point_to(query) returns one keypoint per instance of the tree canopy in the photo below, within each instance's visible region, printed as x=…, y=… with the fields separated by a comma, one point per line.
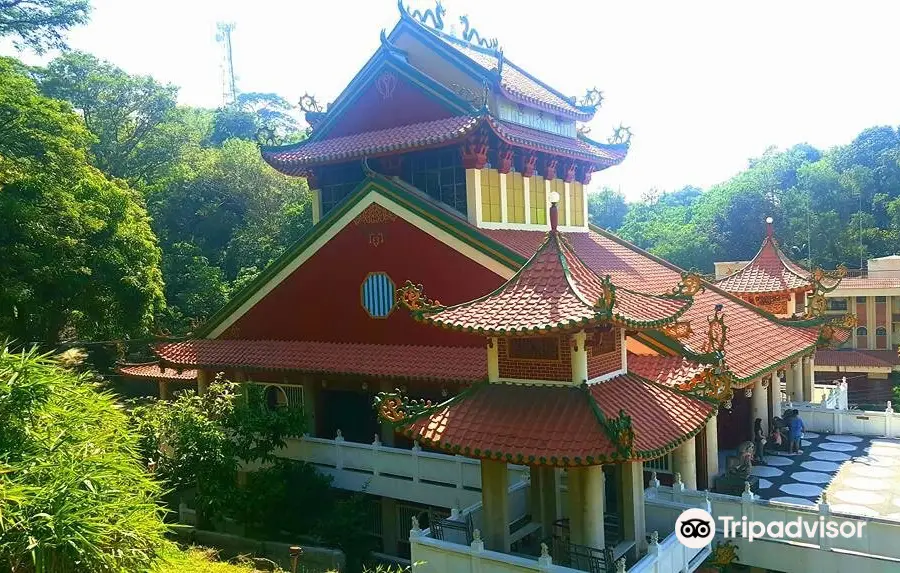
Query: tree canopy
x=819, y=201
x=77, y=254
x=41, y=24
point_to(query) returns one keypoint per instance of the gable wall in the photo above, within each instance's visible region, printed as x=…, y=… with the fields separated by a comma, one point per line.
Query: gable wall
x=321, y=300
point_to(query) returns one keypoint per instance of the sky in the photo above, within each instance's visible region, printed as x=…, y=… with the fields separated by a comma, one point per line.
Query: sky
x=704, y=86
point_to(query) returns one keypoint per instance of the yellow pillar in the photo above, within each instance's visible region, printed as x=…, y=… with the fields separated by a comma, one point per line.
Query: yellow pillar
x=495, y=503
x=543, y=497
x=759, y=405
x=203, y=380
x=579, y=358
x=633, y=515
x=493, y=360
x=797, y=368
x=586, y=505
x=684, y=458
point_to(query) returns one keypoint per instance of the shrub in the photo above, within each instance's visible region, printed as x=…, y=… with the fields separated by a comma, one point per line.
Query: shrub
x=74, y=496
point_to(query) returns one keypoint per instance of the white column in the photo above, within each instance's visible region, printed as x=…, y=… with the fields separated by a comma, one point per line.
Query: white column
x=316, y=205
x=579, y=358
x=495, y=502
x=633, y=515
x=493, y=360
x=712, y=450
x=806, y=380
x=759, y=405
x=473, y=195
x=592, y=506
x=812, y=376
x=775, y=394
x=684, y=458
x=504, y=216
x=797, y=377
x=543, y=497
x=792, y=304
x=567, y=190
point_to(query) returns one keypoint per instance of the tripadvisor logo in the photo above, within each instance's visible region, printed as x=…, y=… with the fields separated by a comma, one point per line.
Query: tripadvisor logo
x=695, y=528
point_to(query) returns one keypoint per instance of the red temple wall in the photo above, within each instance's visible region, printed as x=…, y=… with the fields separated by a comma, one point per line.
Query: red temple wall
x=535, y=369
x=880, y=313
x=861, y=314
x=601, y=364
x=372, y=110
x=321, y=300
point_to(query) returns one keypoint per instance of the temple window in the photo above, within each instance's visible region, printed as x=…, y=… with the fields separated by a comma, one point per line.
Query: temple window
x=538, y=199
x=860, y=300
x=438, y=173
x=881, y=331
x=837, y=304
x=275, y=397
x=490, y=196
x=377, y=294
x=862, y=331
x=515, y=198
x=880, y=299
x=534, y=348
x=577, y=198
x=337, y=182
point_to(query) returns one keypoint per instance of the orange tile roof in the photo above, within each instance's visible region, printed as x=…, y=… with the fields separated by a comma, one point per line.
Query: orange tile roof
x=756, y=344
x=461, y=364
x=868, y=282
x=556, y=290
x=672, y=371
x=562, y=425
x=769, y=271
x=153, y=371
x=862, y=358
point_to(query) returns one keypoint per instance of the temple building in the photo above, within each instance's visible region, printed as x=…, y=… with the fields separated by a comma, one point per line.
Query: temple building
x=558, y=371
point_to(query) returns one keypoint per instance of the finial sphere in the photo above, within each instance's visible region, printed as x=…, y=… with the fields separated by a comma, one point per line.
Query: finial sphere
x=770, y=220
x=554, y=197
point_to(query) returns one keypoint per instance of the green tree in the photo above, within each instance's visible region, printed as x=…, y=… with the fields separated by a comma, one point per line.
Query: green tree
x=607, y=208
x=133, y=118
x=256, y=116
x=77, y=254
x=74, y=495
x=41, y=24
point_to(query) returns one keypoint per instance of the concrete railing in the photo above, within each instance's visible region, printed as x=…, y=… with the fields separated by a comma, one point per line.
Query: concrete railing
x=858, y=422
x=670, y=556
x=435, y=556
x=875, y=550
x=405, y=474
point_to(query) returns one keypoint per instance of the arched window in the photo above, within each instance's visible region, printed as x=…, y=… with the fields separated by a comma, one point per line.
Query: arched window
x=862, y=331
x=378, y=295
x=275, y=397
x=880, y=331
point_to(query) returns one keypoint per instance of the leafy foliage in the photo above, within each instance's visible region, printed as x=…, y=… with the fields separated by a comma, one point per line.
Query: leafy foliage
x=819, y=202
x=77, y=254
x=73, y=495
x=198, y=443
x=41, y=24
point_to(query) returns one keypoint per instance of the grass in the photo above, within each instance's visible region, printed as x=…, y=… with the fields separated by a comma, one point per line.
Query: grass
x=198, y=560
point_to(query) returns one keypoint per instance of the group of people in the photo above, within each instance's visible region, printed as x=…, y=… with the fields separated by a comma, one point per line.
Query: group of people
x=787, y=433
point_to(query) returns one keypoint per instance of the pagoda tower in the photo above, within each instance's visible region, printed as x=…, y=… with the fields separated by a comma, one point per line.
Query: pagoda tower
x=559, y=393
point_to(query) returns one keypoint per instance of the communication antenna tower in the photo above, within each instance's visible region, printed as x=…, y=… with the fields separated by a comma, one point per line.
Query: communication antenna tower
x=223, y=36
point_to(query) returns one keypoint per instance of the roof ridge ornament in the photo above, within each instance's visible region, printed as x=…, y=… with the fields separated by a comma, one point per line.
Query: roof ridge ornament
x=436, y=15
x=691, y=283
x=309, y=104
x=413, y=298
x=621, y=136
x=592, y=98
x=607, y=299
x=395, y=407
x=471, y=35
x=716, y=336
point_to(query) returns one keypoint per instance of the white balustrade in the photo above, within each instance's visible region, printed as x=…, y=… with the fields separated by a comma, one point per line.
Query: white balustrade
x=405, y=474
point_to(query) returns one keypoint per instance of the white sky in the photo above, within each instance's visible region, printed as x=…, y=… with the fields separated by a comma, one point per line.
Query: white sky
x=703, y=85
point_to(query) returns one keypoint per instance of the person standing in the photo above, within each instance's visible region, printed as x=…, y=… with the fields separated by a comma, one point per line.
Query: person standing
x=797, y=427
x=759, y=440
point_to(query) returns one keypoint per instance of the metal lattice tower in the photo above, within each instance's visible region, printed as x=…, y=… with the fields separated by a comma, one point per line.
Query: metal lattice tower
x=230, y=84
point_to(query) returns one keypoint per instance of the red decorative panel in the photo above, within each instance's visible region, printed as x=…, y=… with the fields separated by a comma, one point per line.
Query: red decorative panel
x=606, y=362
x=321, y=299
x=536, y=369
x=380, y=108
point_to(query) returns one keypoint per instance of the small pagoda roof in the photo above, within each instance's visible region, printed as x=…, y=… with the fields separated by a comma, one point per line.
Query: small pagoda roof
x=294, y=159
x=154, y=371
x=555, y=290
x=770, y=271
x=624, y=418
x=672, y=371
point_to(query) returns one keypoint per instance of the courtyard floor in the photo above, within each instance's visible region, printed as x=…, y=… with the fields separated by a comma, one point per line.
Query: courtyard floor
x=859, y=475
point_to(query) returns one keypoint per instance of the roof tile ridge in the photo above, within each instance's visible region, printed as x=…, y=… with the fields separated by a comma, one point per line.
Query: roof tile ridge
x=563, y=249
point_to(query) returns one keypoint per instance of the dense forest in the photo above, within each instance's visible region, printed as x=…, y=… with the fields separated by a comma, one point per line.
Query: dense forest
x=820, y=201
x=124, y=215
